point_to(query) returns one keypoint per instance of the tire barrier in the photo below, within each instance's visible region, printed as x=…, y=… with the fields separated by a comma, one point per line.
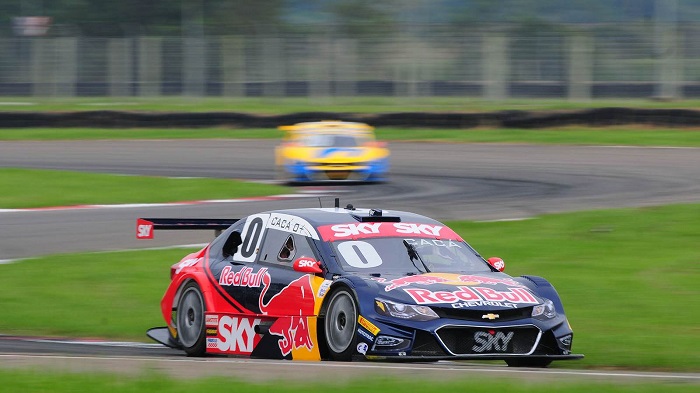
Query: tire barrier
x=598, y=117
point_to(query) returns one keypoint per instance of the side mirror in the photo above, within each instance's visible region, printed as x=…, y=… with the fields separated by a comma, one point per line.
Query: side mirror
x=307, y=265
x=497, y=263
x=231, y=246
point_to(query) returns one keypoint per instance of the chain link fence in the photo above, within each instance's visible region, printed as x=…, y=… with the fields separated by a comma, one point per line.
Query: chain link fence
x=495, y=62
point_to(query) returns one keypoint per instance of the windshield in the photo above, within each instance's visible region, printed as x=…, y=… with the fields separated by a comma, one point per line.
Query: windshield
x=399, y=255
x=333, y=140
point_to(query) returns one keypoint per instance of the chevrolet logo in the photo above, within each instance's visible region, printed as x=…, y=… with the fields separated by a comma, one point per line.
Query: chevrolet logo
x=490, y=316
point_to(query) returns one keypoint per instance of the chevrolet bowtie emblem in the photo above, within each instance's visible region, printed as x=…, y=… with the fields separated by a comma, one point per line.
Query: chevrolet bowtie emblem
x=490, y=316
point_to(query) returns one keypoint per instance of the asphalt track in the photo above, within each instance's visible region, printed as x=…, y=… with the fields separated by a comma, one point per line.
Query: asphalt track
x=445, y=181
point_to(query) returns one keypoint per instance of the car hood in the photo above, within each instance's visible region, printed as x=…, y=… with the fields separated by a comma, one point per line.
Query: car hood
x=474, y=291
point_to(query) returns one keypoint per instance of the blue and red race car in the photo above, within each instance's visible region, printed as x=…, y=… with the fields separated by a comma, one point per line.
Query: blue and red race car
x=345, y=283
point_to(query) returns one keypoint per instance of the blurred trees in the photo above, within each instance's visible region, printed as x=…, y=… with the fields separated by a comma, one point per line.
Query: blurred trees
x=343, y=17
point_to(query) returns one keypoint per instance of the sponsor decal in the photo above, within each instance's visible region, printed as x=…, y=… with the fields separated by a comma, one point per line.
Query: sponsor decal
x=237, y=334
x=364, y=334
x=428, y=279
x=144, y=229
x=470, y=279
x=491, y=341
x=292, y=224
x=211, y=320
x=367, y=325
x=307, y=265
x=472, y=297
x=323, y=289
x=297, y=300
x=211, y=332
x=242, y=278
x=212, y=342
x=362, y=348
x=385, y=229
x=186, y=263
x=423, y=279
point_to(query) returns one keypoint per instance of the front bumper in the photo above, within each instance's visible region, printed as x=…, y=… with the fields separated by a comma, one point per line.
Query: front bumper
x=455, y=339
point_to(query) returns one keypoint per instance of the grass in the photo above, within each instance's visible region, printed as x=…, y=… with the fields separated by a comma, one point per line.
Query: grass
x=629, y=136
x=64, y=188
x=42, y=381
x=628, y=279
x=280, y=105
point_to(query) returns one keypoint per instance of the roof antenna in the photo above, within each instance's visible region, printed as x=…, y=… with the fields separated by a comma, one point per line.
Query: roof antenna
x=337, y=203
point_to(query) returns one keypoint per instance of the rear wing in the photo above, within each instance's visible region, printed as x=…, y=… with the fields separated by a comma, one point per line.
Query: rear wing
x=146, y=226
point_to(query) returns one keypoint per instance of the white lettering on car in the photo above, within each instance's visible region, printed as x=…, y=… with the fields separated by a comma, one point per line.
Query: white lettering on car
x=237, y=334
x=345, y=230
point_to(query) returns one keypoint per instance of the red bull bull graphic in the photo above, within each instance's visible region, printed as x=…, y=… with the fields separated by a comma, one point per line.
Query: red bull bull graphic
x=423, y=279
x=445, y=278
x=294, y=304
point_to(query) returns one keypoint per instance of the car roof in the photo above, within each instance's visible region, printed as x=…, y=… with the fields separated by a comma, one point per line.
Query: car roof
x=329, y=216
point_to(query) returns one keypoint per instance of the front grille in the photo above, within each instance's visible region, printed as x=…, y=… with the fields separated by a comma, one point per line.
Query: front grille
x=486, y=340
x=505, y=315
x=425, y=344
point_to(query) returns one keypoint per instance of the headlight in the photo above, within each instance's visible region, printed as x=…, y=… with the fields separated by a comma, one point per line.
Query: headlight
x=404, y=311
x=545, y=310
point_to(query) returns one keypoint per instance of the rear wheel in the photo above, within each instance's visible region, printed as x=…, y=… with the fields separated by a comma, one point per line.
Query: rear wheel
x=340, y=325
x=535, y=363
x=190, y=320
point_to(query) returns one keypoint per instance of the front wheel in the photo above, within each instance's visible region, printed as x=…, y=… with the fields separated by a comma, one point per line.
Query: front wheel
x=190, y=320
x=340, y=325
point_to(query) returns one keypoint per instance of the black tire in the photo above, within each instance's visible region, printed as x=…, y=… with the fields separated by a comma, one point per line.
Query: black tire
x=340, y=325
x=524, y=362
x=190, y=320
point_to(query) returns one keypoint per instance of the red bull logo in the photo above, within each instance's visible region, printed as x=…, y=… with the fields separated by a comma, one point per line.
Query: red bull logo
x=242, y=278
x=293, y=305
x=471, y=297
x=429, y=279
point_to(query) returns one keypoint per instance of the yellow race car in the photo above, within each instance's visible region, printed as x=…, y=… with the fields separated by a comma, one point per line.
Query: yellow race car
x=331, y=151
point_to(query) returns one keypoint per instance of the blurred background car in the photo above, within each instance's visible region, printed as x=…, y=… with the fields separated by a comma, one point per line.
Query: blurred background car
x=331, y=151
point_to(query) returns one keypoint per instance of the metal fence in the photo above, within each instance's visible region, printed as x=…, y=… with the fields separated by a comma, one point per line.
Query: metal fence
x=495, y=63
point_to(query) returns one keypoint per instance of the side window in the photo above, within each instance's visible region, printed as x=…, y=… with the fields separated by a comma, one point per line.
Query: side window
x=286, y=254
x=283, y=247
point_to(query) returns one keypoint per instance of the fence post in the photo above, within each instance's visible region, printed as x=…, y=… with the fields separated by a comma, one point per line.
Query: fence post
x=41, y=73
x=194, y=66
x=580, y=67
x=495, y=66
x=346, y=65
x=319, y=67
x=150, y=78
x=233, y=68
x=120, y=73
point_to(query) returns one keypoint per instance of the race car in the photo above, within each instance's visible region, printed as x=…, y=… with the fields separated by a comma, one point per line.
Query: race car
x=349, y=284
x=331, y=151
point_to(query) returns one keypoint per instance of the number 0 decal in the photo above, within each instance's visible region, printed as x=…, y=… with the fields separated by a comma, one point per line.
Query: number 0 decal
x=252, y=235
x=361, y=255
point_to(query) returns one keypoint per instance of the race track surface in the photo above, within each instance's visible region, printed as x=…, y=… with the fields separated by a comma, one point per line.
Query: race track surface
x=444, y=181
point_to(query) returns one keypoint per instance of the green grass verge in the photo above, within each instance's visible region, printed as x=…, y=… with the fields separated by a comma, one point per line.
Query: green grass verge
x=281, y=105
x=629, y=136
x=63, y=188
x=628, y=279
x=40, y=381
